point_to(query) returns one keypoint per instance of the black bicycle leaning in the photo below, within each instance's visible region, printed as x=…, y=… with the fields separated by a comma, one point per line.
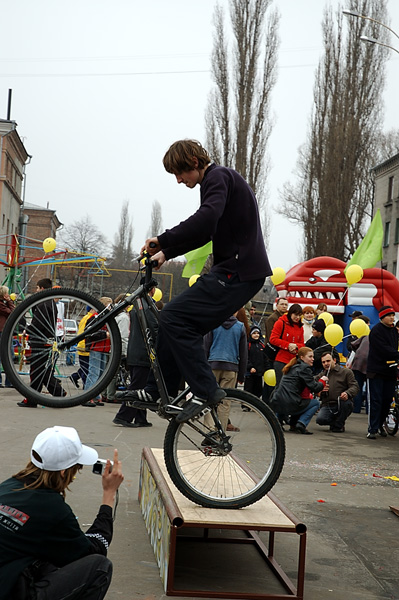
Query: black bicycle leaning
x=210, y=466
x=391, y=423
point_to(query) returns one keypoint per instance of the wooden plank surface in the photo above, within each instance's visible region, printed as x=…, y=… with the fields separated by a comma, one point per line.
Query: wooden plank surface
x=262, y=514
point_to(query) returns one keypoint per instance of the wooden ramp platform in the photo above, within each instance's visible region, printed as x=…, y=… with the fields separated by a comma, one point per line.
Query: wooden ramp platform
x=176, y=526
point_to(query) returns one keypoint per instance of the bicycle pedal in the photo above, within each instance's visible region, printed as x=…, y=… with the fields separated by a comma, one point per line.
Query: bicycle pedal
x=172, y=409
x=142, y=405
x=203, y=412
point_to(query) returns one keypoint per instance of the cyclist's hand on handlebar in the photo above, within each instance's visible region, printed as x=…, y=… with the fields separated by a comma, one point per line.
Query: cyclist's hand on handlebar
x=160, y=258
x=151, y=246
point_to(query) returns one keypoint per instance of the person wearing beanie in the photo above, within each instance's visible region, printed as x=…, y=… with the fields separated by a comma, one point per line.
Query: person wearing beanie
x=319, y=345
x=43, y=552
x=256, y=363
x=381, y=370
x=352, y=338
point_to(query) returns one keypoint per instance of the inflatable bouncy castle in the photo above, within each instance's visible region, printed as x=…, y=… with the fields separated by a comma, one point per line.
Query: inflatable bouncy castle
x=322, y=279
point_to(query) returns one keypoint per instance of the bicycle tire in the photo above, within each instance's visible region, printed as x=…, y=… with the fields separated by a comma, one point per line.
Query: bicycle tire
x=56, y=370
x=391, y=424
x=239, y=478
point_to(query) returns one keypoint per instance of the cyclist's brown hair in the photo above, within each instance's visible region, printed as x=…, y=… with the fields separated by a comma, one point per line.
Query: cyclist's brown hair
x=180, y=157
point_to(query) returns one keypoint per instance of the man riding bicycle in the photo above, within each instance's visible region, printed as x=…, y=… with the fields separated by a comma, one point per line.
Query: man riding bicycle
x=228, y=215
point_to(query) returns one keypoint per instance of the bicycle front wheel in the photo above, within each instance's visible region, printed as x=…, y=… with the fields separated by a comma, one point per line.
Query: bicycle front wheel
x=233, y=478
x=36, y=366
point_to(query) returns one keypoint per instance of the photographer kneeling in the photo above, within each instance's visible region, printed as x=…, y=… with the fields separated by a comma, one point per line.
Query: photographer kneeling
x=44, y=555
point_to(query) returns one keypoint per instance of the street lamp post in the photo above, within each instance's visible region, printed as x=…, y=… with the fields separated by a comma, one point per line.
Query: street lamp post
x=370, y=40
x=354, y=13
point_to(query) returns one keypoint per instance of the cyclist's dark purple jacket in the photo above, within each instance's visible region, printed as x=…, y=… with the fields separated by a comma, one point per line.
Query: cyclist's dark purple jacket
x=228, y=216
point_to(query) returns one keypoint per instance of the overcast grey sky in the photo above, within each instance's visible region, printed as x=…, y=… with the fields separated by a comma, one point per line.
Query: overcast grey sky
x=101, y=89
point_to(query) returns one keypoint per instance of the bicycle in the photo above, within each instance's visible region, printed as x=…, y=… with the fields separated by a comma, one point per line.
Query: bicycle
x=391, y=424
x=212, y=467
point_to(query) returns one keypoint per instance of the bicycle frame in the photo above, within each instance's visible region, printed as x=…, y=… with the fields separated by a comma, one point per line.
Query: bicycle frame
x=140, y=301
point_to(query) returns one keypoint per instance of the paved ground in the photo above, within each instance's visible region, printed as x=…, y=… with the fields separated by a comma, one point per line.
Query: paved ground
x=353, y=537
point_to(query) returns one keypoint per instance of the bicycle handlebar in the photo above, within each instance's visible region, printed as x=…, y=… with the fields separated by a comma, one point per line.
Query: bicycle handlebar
x=104, y=316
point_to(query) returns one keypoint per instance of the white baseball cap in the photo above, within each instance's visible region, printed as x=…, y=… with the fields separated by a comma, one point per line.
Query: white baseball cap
x=60, y=448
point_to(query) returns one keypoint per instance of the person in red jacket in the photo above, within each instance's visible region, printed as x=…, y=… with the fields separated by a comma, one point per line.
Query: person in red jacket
x=287, y=335
x=6, y=308
x=99, y=346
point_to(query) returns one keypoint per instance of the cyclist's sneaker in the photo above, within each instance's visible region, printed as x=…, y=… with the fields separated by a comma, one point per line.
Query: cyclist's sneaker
x=382, y=432
x=371, y=436
x=195, y=406
x=138, y=399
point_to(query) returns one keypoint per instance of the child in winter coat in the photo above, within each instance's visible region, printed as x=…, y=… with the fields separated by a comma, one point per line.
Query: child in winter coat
x=256, y=363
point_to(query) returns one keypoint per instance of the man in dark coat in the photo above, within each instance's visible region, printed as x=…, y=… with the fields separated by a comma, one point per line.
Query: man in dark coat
x=336, y=402
x=381, y=370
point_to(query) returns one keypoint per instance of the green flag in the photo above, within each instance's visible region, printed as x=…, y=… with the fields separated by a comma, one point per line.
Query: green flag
x=196, y=260
x=370, y=250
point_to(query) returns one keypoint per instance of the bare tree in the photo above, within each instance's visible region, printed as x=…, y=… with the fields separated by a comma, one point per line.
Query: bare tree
x=84, y=237
x=332, y=198
x=388, y=145
x=122, y=252
x=238, y=123
x=156, y=226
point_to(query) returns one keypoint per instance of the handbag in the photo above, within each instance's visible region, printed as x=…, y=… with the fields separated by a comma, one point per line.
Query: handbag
x=270, y=350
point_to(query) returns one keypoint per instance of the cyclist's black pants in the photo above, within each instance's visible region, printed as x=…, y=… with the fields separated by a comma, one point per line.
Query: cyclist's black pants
x=186, y=319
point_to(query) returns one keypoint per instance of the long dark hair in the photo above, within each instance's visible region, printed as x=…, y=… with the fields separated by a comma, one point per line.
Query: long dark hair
x=294, y=309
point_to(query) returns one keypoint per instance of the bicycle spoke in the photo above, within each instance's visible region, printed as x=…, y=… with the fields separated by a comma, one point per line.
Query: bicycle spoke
x=232, y=470
x=31, y=350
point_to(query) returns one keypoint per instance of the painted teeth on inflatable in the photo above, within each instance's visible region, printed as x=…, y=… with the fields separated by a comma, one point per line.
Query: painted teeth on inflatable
x=322, y=279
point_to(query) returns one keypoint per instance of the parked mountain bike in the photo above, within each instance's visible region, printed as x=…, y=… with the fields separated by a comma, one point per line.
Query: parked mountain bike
x=210, y=466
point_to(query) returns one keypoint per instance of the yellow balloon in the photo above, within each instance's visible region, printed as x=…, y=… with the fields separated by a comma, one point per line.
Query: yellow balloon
x=353, y=274
x=49, y=244
x=157, y=295
x=278, y=276
x=269, y=377
x=358, y=328
x=333, y=334
x=192, y=280
x=327, y=318
x=13, y=296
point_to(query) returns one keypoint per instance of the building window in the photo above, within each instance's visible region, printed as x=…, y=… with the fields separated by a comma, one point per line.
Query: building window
x=394, y=267
x=397, y=231
x=386, y=233
x=390, y=189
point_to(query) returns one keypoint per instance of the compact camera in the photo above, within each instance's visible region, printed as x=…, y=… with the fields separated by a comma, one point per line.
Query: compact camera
x=99, y=466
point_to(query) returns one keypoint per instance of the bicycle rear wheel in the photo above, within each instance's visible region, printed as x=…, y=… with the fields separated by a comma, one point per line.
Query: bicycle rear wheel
x=216, y=478
x=32, y=360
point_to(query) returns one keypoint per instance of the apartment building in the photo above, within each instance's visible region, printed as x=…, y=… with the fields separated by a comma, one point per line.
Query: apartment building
x=13, y=158
x=386, y=198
